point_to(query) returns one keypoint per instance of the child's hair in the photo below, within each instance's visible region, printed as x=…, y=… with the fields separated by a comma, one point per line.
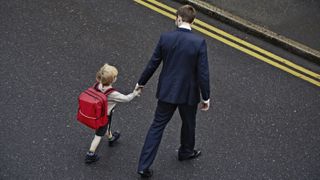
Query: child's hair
x=106, y=74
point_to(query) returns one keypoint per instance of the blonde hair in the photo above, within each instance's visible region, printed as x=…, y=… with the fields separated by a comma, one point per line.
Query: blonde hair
x=107, y=74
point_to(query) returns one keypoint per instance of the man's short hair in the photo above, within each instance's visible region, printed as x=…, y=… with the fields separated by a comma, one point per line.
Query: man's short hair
x=187, y=13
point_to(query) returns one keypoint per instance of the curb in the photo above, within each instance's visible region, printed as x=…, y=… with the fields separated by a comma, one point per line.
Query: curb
x=244, y=25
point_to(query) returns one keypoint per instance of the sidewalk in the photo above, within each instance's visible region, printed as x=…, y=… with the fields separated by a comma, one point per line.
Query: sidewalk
x=292, y=24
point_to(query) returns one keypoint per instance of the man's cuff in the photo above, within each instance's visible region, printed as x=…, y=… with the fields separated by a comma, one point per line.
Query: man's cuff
x=205, y=101
x=138, y=86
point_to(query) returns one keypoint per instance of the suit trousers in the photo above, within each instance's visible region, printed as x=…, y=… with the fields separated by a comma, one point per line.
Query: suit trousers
x=163, y=114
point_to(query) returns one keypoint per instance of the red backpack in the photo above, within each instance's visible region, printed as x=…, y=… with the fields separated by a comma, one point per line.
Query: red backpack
x=93, y=107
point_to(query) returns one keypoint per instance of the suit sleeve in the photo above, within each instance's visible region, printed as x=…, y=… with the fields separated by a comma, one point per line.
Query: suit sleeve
x=203, y=72
x=152, y=66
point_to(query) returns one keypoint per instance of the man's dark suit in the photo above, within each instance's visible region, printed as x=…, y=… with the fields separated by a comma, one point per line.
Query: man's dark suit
x=183, y=76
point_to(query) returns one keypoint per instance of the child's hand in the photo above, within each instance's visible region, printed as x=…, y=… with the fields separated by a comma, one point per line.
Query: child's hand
x=137, y=90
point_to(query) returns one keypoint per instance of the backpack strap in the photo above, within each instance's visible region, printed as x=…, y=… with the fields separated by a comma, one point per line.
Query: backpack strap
x=110, y=90
x=95, y=85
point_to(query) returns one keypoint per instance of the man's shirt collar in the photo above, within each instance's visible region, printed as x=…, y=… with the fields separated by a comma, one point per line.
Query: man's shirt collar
x=185, y=26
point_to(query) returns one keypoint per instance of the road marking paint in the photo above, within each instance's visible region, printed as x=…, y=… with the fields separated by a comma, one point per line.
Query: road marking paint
x=254, y=54
x=236, y=46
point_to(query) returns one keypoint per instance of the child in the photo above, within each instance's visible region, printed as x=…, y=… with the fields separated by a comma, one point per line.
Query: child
x=105, y=77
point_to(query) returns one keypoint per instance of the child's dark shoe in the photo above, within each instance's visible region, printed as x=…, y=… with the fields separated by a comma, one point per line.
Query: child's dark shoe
x=114, y=138
x=91, y=157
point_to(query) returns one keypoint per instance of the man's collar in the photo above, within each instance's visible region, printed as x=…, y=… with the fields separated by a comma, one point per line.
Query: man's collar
x=185, y=26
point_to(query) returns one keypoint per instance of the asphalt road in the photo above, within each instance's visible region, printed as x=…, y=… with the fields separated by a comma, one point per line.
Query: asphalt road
x=263, y=124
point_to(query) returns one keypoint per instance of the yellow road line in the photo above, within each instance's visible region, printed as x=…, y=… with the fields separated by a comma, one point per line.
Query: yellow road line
x=240, y=41
x=234, y=45
x=156, y=9
x=258, y=56
x=163, y=6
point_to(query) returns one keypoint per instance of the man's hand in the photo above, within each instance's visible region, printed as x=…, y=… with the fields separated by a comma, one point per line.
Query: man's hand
x=204, y=106
x=138, y=90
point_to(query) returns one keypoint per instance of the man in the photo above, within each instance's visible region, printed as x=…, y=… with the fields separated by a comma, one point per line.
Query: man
x=184, y=75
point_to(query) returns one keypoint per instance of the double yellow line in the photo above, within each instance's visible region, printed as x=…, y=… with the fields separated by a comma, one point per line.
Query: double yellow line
x=237, y=43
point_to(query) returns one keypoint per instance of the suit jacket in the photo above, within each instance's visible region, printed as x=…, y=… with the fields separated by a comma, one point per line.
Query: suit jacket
x=185, y=71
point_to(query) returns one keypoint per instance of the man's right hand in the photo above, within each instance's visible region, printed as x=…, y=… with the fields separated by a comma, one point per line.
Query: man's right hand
x=204, y=106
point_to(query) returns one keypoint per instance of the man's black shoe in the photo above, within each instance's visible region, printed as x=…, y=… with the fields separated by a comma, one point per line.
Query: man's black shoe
x=146, y=173
x=91, y=158
x=115, y=137
x=196, y=153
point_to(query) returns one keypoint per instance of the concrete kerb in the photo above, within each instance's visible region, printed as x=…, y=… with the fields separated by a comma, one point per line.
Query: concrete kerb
x=242, y=24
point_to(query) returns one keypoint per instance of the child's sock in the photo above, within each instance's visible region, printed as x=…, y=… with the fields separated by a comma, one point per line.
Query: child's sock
x=109, y=135
x=89, y=153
